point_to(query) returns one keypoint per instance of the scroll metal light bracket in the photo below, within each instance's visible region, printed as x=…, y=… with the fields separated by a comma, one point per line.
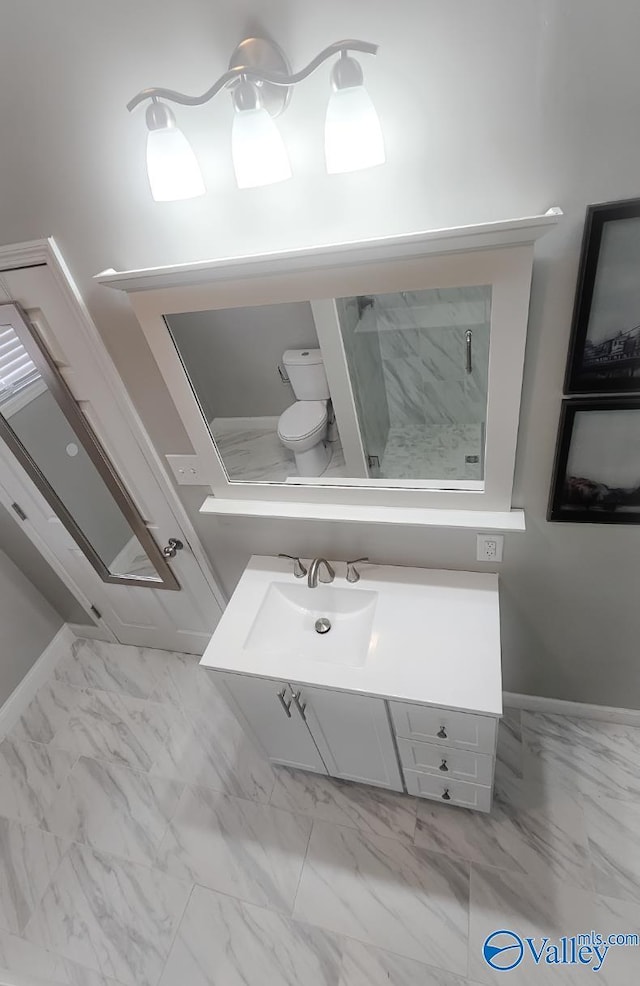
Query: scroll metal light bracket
x=264, y=64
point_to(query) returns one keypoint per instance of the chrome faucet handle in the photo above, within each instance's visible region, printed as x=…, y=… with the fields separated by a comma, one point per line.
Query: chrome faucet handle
x=329, y=574
x=298, y=568
x=353, y=575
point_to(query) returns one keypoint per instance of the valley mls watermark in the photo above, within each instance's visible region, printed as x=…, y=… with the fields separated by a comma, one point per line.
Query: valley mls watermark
x=505, y=950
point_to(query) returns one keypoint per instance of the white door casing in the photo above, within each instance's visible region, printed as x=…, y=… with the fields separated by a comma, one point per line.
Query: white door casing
x=34, y=275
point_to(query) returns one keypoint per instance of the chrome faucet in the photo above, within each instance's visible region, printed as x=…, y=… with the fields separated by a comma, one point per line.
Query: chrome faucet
x=314, y=569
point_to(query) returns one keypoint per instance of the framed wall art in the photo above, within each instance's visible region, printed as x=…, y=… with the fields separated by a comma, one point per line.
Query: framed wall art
x=597, y=468
x=604, y=354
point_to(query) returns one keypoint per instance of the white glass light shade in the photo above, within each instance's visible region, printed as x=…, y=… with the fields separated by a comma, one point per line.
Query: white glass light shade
x=352, y=134
x=173, y=169
x=259, y=154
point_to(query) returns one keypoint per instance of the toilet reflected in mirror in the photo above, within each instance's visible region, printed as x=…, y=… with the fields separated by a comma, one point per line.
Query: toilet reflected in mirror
x=302, y=428
x=259, y=377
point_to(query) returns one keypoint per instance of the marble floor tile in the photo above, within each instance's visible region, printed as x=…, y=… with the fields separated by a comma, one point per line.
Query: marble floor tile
x=108, y=667
x=114, y=917
x=386, y=894
x=363, y=965
x=30, y=776
x=621, y=966
x=118, y=728
x=590, y=756
x=28, y=859
x=369, y=809
x=252, y=452
x=25, y=959
x=530, y=833
x=114, y=809
x=211, y=748
x=224, y=942
x=138, y=672
x=509, y=751
x=503, y=900
x=613, y=828
x=46, y=713
x=237, y=847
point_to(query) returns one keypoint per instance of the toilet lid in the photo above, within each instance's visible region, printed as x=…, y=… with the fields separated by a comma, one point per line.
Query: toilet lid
x=302, y=419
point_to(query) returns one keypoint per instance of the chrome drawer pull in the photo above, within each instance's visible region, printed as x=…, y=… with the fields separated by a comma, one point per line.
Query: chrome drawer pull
x=442, y=733
x=287, y=708
x=446, y=796
x=443, y=766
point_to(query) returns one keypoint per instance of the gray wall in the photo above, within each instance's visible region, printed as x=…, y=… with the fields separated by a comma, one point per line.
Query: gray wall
x=15, y=543
x=27, y=622
x=232, y=356
x=490, y=110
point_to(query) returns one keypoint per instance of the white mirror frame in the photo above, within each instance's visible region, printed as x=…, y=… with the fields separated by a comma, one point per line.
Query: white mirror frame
x=499, y=254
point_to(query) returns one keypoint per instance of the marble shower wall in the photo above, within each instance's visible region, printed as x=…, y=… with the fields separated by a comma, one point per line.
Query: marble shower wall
x=421, y=338
x=364, y=359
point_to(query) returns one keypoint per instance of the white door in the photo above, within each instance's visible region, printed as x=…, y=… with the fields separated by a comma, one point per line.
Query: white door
x=268, y=711
x=353, y=735
x=145, y=616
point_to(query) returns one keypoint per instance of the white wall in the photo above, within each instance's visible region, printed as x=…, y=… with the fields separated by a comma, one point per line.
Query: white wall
x=491, y=110
x=27, y=624
x=232, y=356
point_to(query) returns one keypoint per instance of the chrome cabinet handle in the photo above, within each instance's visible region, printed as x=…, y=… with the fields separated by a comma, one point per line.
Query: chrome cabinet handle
x=298, y=568
x=300, y=706
x=445, y=795
x=468, y=339
x=174, y=545
x=442, y=733
x=287, y=708
x=443, y=767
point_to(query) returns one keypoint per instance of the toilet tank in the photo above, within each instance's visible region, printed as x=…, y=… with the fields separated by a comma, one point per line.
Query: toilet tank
x=305, y=370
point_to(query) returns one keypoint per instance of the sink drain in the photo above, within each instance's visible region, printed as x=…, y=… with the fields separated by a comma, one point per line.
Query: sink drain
x=323, y=625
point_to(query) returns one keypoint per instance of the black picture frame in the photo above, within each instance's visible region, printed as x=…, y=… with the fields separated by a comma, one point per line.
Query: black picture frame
x=588, y=499
x=606, y=363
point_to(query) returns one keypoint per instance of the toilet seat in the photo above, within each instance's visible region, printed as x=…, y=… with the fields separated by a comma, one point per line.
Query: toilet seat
x=303, y=421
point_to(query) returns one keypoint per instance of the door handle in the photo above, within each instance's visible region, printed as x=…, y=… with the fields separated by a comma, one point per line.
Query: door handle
x=174, y=545
x=300, y=706
x=287, y=708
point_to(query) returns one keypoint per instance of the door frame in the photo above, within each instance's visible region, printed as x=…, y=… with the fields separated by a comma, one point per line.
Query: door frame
x=45, y=252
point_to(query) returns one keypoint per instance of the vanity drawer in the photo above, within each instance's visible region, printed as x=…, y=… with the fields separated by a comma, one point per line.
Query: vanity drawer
x=445, y=762
x=460, y=730
x=459, y=792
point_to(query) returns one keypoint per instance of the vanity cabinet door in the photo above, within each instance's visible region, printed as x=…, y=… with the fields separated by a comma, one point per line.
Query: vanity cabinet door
x=353, y=735
x=265, y=707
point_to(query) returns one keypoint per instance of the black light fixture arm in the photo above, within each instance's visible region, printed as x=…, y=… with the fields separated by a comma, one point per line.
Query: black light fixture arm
x=255, y=75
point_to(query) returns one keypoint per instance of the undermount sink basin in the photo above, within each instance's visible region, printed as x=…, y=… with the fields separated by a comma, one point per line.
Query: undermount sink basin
x=285, y=623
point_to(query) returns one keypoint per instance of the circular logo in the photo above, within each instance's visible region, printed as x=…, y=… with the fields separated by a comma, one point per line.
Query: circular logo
x=503, y=950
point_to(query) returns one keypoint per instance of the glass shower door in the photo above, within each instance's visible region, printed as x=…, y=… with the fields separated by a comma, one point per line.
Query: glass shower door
x=418, y=364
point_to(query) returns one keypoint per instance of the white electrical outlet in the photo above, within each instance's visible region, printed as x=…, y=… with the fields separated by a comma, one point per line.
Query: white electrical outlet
x=490, y=547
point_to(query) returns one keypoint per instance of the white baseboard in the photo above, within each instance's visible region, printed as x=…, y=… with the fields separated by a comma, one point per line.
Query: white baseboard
x=36, y=676
x=90, y=633
x=579, y=710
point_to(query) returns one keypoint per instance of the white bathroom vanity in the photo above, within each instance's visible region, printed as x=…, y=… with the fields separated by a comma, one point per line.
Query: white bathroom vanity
x=404, y=691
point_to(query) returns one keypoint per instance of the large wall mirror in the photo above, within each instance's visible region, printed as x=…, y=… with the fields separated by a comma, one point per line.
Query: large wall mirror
x=383, y=389
x=379, y=374
x=41, y=423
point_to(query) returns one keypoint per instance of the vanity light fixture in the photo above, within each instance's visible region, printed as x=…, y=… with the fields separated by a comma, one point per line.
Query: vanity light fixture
x=261, y=81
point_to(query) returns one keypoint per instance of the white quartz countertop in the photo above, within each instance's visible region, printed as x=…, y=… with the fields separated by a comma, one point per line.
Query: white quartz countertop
x=435, y=637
